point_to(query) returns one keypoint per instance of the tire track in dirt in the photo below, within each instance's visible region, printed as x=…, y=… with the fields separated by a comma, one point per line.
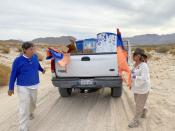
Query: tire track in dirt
x=96, y=111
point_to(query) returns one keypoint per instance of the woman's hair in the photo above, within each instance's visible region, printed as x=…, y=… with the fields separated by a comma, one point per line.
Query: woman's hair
x=141, y=53
x=27, y=45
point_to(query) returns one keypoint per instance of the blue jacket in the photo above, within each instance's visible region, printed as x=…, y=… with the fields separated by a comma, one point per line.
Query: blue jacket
x=25, y=70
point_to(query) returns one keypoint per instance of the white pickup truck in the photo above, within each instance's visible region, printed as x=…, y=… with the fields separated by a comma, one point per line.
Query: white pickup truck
x=88, y=71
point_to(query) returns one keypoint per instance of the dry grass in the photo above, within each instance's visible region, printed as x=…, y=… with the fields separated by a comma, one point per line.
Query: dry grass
x=4, y=75
x=156, y=58
x=6, y=45
x=18, y=48
x=5, y=49
x=157, y=48
x=162, y=49
x=172, y=51
x=149, y=55
x=9, y=43
x=44, y=46
x=148, y=48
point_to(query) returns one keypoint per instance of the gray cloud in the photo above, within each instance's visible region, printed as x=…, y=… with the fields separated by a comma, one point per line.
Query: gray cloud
x=24, y=19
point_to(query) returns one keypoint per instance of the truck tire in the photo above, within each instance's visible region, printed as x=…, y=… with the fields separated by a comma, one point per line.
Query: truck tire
x=116, y=92
x=65, y=92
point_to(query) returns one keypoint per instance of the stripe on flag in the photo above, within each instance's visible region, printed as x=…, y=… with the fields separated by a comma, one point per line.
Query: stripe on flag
x=122, y=59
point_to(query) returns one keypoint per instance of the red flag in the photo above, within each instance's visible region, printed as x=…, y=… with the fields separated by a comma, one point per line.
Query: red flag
x=61, y=58
x=63, y=62
x=122, y=59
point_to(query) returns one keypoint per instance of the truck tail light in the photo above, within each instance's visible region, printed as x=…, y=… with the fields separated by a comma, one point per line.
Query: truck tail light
x=53, y=68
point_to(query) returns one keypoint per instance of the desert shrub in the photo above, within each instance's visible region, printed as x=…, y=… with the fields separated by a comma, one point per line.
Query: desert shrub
x=4, y=75
x=148, y=55
x=162, y=50
x=149, y=49
x=172, y=52
x=156, y=58
x=5, y=50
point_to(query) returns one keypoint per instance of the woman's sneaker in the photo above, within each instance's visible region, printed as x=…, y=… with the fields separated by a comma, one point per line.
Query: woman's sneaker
x=31, y=117
x=144, y=113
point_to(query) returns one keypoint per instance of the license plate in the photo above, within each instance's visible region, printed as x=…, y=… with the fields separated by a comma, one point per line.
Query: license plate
x=86, y=82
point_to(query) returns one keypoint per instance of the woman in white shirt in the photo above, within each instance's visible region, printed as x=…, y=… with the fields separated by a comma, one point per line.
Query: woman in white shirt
x=140, y=85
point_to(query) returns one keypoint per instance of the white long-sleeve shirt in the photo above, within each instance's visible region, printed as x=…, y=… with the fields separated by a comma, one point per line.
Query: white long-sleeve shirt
x=141, y=84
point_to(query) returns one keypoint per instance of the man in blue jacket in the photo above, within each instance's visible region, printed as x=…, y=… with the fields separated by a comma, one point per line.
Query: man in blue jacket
x=25, y=71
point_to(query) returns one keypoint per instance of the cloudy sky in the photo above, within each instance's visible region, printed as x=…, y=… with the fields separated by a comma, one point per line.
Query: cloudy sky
x=29, y=19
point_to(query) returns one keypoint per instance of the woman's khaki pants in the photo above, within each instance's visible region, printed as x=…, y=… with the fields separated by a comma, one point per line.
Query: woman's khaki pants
x=140, y=101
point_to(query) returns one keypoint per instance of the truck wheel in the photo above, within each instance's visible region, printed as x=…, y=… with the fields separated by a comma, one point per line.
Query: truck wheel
x=116, y=92
x=65, y=92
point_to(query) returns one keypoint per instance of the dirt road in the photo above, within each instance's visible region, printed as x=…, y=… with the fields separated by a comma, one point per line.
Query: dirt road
x=96, y=111
x=91, y=112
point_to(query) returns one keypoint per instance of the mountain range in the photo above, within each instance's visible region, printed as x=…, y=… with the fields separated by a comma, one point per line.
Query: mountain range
x=63, y=40
x=146, y=39
x=152, y=39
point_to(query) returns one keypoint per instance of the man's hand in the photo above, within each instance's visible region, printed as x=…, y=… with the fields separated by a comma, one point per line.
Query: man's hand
x=10, y=92
x=44, y=71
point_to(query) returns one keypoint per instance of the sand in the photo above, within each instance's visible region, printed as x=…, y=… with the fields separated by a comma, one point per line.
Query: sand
x=96, y=111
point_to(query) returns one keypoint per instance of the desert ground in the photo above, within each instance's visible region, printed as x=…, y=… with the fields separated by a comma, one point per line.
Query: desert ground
x=96, y=111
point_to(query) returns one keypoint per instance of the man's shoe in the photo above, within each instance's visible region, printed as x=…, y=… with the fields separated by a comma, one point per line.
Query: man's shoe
x=133, y=124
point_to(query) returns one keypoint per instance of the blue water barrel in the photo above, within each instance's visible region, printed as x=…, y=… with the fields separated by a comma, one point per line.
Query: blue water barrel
x=106, y=42
x=79, y=45
x=90, y=44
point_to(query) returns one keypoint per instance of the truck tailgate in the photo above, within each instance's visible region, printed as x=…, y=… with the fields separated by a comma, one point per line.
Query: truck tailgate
x=93, y=65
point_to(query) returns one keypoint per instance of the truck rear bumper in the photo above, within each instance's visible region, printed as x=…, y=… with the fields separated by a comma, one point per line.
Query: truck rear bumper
x=97, y=82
